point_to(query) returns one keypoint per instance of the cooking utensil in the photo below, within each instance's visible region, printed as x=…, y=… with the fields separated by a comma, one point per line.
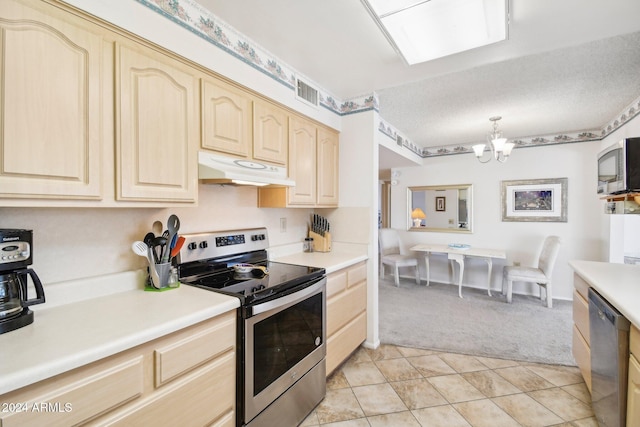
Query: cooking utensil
x=173, y=224
x=158, y=245
x=141, y=248
x=177, y=247
x=148, y=238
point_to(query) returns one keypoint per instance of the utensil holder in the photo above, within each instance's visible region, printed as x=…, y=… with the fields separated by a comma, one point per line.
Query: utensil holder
x=167, y=279
x=321, y=243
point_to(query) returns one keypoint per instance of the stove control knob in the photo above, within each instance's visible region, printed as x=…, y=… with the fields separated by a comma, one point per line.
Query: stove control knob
x=191, y=246
x=204, y=245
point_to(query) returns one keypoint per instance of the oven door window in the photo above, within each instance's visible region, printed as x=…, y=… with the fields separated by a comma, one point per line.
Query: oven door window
x=284, y=339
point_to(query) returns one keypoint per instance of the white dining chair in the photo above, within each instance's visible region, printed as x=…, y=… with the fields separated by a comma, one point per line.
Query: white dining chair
x=540, y=275
x=390, y=254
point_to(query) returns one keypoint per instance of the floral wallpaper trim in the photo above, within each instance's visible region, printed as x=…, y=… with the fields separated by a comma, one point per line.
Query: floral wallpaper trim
x=199, y=21
x=631, y=111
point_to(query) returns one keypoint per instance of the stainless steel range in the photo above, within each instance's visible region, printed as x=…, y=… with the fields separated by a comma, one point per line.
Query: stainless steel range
x=281, y=322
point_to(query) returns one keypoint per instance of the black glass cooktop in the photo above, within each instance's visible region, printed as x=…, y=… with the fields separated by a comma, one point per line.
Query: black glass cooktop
x=256, y=284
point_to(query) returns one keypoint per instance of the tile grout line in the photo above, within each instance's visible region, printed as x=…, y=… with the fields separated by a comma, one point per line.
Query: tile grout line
x=375, y=359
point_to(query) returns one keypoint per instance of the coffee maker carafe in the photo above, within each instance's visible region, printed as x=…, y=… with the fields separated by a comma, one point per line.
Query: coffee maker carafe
x=16, y=249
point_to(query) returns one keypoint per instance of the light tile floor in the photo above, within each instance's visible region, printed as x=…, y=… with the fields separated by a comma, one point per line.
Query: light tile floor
x=399, y=386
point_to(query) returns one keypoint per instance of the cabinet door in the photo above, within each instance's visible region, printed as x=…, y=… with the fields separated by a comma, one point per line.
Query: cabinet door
x=270, y=133
x=156, y=127
x=328, y=166
x=302, y=161
x=51, y=99
x=633, y=393
x=226, y=119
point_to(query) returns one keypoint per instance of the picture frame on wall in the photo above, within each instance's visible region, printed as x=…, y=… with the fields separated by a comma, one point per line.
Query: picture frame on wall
x=535, y=200
x=441, y=204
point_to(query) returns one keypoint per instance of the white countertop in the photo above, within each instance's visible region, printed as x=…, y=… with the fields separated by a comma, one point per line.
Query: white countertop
x=66, y=336
x=617, y=283
x=330, y=261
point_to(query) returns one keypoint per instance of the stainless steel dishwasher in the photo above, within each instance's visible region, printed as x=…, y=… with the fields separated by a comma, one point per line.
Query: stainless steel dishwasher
x=609, y=338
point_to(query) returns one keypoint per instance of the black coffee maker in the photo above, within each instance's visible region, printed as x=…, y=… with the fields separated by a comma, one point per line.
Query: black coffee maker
x=16, y=248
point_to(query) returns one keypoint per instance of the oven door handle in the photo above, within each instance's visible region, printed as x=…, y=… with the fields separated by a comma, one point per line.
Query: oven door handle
x=289, y=299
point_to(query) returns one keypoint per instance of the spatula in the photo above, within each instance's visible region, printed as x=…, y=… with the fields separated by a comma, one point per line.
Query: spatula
x=141, y=248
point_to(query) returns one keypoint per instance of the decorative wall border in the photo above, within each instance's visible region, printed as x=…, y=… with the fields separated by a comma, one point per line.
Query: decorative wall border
x=193, y=17
x=209, y=27
x=630, y=112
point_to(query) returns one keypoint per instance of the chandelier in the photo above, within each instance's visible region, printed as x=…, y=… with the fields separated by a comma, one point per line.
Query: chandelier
x=500, y=148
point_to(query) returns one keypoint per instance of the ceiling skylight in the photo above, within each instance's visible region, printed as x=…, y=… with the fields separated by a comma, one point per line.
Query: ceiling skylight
x=422, y=30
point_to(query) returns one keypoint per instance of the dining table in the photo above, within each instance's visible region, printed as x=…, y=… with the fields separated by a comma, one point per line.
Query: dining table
x=458, y=252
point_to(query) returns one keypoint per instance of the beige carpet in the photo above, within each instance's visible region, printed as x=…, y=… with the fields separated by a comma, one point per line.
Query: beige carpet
x=435, y=318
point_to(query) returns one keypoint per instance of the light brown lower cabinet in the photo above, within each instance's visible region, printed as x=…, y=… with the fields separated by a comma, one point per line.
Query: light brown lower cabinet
x=581, y=334
x=346, y=313
x=186, y=378
x=633, y=389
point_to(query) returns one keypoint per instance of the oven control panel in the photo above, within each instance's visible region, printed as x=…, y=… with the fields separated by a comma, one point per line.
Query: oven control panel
x=237, y=239
x=201, y=246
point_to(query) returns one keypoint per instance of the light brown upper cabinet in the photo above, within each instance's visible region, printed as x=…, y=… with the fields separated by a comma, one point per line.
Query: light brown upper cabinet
x=236, y=123
x=302, y=161
x=51, y=90
x=157, y=126
x=328, y=167
x=313, y=165
x=270, y=132
x=226, y=118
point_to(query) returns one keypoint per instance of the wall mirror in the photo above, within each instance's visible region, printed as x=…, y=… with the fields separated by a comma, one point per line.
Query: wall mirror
x=444, y=208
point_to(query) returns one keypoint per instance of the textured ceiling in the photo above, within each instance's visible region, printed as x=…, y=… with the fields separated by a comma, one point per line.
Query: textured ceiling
x=568, y=65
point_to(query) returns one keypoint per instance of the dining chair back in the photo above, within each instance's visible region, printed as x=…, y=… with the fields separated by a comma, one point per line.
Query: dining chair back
x=390, y=254
x=540, y=275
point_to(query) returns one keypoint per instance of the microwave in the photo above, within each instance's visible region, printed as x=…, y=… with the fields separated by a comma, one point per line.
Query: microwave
x=619, y=167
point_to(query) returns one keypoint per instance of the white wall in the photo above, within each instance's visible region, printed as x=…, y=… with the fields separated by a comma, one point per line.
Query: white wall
x=359, y=200
x=73, y=243
x=581, y=235
x=142, y=21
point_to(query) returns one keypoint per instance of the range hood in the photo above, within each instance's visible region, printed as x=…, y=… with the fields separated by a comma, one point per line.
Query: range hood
x=217, y=169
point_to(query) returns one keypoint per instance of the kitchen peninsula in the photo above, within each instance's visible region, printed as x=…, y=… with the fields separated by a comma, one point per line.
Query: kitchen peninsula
x=618, y=284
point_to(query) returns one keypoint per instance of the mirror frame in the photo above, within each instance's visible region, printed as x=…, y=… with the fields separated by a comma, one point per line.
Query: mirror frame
x=468, y=187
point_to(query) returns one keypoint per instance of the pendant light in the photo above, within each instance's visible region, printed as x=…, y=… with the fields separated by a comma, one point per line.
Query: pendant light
x=500, y=148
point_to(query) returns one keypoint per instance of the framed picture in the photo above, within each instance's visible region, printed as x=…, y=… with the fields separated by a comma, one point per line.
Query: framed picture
x=536, y=200
x=441, y=205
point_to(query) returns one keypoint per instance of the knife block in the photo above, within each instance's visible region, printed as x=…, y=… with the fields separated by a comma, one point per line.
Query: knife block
x=321, y=243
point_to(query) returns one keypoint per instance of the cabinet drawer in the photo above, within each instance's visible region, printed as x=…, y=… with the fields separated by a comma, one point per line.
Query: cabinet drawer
x=84, y=399
x=357, y=274
x=581, y=316
x=581, y=286
x=634, y=341
x=582, y=354
x=211, y=390
x=344, y=307
x=194, y=349
x=336, y=283
x=345, y=341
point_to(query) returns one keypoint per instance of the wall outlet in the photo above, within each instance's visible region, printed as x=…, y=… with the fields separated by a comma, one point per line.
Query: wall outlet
x=516, y=263
x=283, y=225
